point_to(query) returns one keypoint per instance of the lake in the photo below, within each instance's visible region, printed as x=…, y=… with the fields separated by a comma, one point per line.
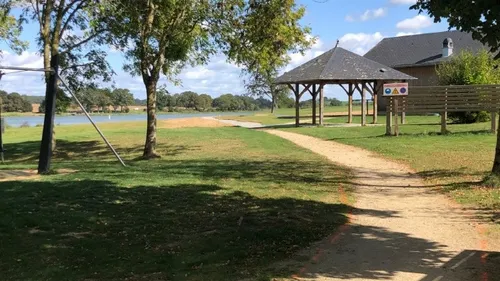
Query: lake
x=17, y=121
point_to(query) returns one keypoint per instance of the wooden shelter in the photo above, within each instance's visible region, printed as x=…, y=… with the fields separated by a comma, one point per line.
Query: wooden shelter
x=340, y=67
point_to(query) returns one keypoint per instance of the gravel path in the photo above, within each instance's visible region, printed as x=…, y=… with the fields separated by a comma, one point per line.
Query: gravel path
x=400, y=229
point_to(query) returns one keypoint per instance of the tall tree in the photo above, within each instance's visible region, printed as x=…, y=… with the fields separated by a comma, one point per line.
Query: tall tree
x=270, y=45
x=160, y=36
x=66, y=27
x=262, y=84
x=481, y=19
x=10, y=30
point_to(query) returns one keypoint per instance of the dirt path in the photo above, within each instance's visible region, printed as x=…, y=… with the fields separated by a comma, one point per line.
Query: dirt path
x=400, y=229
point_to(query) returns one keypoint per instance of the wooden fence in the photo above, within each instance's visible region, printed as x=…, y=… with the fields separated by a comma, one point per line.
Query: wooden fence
x=444, y=99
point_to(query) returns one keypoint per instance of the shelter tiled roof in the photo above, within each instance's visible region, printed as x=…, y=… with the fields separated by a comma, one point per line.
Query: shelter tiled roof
x=339, y=65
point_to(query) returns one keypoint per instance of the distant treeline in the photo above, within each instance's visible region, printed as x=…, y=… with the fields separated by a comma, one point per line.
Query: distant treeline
x=14, y=102
x=202, y=102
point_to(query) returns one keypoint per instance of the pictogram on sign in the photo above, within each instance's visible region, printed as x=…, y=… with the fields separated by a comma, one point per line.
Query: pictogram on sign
x=396, y=89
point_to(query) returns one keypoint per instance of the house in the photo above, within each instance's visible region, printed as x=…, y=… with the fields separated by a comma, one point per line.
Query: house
x=419, y=55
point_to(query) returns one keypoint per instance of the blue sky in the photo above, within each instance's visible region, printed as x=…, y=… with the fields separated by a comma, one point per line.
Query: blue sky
x=358, y=24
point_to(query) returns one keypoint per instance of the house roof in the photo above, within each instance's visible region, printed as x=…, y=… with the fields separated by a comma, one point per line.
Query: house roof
x=421, y=49
x=339, y=65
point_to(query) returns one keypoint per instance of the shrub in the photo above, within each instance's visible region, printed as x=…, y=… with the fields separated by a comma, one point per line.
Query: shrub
x=25, y=124
x=469, y=117
x=468, y=68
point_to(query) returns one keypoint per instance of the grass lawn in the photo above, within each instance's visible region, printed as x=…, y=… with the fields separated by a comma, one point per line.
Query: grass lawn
x=287, y=115
x=457, y=161
x=222, y=204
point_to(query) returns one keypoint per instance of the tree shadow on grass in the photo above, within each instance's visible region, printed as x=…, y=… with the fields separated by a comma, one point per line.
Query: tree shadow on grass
x=95, y=230
x=28, y=152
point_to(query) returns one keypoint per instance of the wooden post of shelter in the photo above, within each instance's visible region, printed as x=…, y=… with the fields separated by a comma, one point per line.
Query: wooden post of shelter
x=363, y=104
x=321, y=103
x=297, y=105
x=314, y=95
x=349, y=110
x=376, y=90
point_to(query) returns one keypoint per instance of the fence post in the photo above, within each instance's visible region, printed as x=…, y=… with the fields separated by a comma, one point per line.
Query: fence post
x=396, y=125
x=444, y=117
x=388, y=117
x=493, y=122
x=444, y=114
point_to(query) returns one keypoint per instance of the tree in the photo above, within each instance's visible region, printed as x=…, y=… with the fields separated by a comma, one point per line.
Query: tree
x=481, y=19
x=203, y=102
x=103, y=99
x=159, y=37
x=187, y=99
x=14, y=102
x=163, y=99
x=10, y=29
x=66, y=27
x=263, y=85
x=468, y=68
x=270, y=46
x=121, y=98
x=62, y=102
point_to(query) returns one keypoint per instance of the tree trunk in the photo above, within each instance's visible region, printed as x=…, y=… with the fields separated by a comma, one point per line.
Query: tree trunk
x=150, y=145
x=273, y=103
x=496, y=162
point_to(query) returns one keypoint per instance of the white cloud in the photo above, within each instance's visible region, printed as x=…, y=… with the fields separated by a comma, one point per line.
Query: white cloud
x=360, y=43
x=297, y=59
x=22, y=82
x=350, y=18
x=404, y=2
x=368, y=15
x=415, y=23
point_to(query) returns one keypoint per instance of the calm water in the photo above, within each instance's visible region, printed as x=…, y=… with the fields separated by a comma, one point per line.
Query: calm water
x=17, y=121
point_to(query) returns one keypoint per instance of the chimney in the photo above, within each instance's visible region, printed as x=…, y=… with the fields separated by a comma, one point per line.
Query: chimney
x=447, y=47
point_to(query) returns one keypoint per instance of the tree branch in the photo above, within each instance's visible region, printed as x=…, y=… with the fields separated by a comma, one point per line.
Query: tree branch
x=71, y=15
x=91, y=37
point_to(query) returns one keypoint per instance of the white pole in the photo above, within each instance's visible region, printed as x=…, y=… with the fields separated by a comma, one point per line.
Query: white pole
x=92, y=121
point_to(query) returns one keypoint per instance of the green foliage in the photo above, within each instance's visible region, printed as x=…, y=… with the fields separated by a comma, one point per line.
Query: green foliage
x=203, y=102
x=121, y=98
x=14, y=102
x=62, y=102
x=67, y=28
x=10, y=30
x=468, y=68
x=334, y=102
x=230, y=102
x=271, y=45
x=481, y=18
x=95, y=99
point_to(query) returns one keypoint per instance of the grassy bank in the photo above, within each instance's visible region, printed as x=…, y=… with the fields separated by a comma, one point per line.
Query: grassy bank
x=457, y=162
x=287, y=115
x=222, y=204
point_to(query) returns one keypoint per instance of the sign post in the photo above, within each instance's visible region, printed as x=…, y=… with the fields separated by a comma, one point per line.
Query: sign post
x=395, y=91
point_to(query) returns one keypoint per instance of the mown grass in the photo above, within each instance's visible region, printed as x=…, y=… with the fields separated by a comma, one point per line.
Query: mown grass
x=222, y=204
x=287, y=115
x=457, y=161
